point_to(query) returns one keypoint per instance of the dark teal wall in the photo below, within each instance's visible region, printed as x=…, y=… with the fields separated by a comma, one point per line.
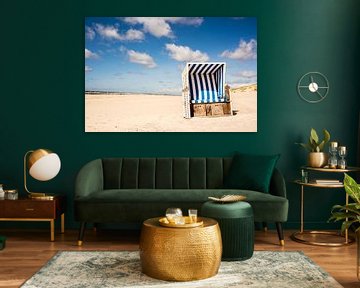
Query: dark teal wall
x=42, y=88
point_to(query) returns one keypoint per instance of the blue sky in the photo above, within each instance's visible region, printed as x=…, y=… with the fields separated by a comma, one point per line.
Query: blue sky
x=148, y=54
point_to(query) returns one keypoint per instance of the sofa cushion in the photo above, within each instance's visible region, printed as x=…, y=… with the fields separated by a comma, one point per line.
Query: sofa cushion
x=251, y=172
x=266, y=207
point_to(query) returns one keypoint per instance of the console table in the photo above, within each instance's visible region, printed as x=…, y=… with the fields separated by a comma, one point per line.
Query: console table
x=297, y=235
x=27, y=209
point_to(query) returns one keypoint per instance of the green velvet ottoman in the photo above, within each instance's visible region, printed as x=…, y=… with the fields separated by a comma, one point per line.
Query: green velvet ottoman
x=236, y=221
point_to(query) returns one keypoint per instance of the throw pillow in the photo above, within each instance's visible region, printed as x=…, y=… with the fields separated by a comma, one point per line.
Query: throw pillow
x=251, y=172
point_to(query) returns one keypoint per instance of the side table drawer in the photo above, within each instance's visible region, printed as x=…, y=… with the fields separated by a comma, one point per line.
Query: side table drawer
x=30, y=209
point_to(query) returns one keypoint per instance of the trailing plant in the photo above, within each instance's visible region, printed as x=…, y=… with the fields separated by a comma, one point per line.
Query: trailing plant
x=349, y=214
x=314, y=144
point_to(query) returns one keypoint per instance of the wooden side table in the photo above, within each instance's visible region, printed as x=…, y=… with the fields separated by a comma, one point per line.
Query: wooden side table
x=26, y=209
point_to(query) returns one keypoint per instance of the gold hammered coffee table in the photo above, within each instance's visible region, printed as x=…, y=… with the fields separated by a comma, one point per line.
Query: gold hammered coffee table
x=180, y=254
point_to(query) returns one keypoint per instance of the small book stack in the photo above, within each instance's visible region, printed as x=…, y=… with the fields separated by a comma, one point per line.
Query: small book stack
x=327, y=181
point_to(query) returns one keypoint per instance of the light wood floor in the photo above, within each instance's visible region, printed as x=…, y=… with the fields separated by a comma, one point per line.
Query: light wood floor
x=28, y=250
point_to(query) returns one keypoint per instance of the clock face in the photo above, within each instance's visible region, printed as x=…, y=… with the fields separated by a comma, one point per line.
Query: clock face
x=313, y=87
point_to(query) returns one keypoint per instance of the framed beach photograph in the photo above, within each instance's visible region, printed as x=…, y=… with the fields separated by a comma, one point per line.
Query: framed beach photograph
x=170, y=74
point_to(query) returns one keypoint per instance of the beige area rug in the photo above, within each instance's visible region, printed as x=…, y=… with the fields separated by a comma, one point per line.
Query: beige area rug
x=80, y=269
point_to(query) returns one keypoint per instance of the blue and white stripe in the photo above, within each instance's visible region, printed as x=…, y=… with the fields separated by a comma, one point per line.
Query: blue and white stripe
x=199, y=101
x=206, y=82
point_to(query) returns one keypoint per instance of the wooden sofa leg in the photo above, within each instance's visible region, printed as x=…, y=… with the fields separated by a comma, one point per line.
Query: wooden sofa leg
x=265, y=227
x=280, y=233
x=81, y=233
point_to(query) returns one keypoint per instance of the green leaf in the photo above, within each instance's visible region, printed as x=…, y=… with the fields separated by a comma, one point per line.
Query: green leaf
x=312, y=145
x=321, y=146
x=352, y=188
x=306, y=146
x=343, y=215
x=350, y=207
x=314, y=135
x=326, y=136
x=346, y=225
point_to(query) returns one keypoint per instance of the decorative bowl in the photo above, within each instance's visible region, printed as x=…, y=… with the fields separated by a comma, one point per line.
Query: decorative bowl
x=228, y=198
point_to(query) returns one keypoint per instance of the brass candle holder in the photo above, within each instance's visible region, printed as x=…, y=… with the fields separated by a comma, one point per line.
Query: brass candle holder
x=342, y=153
x=333, y=162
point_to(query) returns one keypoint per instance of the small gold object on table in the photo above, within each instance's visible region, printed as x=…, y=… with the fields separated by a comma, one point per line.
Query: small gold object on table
x=172, y=254
x=188, y=223
x=11, y=194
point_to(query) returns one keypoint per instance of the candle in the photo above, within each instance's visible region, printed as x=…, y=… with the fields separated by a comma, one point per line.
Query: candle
x=333, y=144
x=342, y=149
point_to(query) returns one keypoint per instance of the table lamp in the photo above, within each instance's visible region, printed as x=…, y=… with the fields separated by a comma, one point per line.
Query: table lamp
x=43, y=165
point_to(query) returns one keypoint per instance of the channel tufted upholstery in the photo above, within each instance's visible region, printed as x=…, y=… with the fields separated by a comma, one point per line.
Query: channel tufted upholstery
x=164, y=173
x=131, y=190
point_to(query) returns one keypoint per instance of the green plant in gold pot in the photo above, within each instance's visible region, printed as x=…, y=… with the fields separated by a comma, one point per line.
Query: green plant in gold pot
x=350, y=214
x=317, y=157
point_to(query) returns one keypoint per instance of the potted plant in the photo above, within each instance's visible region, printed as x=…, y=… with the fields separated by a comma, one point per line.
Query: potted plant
x=317, y=157
x=350, y=214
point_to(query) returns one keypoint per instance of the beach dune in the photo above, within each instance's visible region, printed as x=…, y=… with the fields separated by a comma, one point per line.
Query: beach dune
x=164, y=113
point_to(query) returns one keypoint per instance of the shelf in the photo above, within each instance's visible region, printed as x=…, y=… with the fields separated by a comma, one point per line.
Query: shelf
x=348, y=169
x=313, y=184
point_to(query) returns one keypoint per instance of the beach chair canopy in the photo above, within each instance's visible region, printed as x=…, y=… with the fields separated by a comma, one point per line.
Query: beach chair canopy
x=205, y=81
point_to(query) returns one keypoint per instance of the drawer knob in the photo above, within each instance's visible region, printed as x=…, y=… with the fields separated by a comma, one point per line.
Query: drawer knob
x=29, y=209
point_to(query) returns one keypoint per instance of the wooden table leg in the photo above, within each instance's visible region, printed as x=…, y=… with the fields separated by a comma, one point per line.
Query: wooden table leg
x=52, y=230
x=63, y=223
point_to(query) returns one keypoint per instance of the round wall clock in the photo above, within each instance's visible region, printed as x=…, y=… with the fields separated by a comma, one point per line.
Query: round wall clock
x=313, y=87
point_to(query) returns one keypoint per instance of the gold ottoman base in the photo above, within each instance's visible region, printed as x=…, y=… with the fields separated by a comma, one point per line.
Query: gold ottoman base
x=180, y=254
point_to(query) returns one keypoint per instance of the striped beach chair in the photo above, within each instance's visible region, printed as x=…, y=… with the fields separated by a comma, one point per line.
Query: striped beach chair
x=204, y=85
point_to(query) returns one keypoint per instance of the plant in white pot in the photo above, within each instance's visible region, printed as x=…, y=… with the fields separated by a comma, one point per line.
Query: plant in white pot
x=350, y=214
x=317, y=157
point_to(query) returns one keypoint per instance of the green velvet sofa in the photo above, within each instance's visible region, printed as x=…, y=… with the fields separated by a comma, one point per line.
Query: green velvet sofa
x=130, y=190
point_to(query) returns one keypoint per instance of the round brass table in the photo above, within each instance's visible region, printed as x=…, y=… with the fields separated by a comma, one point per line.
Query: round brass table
x=180, y=254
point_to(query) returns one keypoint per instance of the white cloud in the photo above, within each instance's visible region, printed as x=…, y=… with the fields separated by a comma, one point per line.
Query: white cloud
x=248, y=74
x=109, y=32
x=156, y=26
x=88, y=69
x=133, y=34
x=159, y=26
x=89, y=54
x=194, y=21
x=245, y=51
x=112, y=33
x=243, y=77
x=141, y=58
x=89, y=33
x=185, y=54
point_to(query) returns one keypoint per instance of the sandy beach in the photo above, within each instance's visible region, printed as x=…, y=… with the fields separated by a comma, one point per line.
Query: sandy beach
x=164, y=113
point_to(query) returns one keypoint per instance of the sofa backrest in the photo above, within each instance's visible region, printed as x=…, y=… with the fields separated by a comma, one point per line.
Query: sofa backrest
x=165, y=173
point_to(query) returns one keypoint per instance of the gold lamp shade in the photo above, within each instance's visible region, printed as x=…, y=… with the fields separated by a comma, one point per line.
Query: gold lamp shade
x=43, y=165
